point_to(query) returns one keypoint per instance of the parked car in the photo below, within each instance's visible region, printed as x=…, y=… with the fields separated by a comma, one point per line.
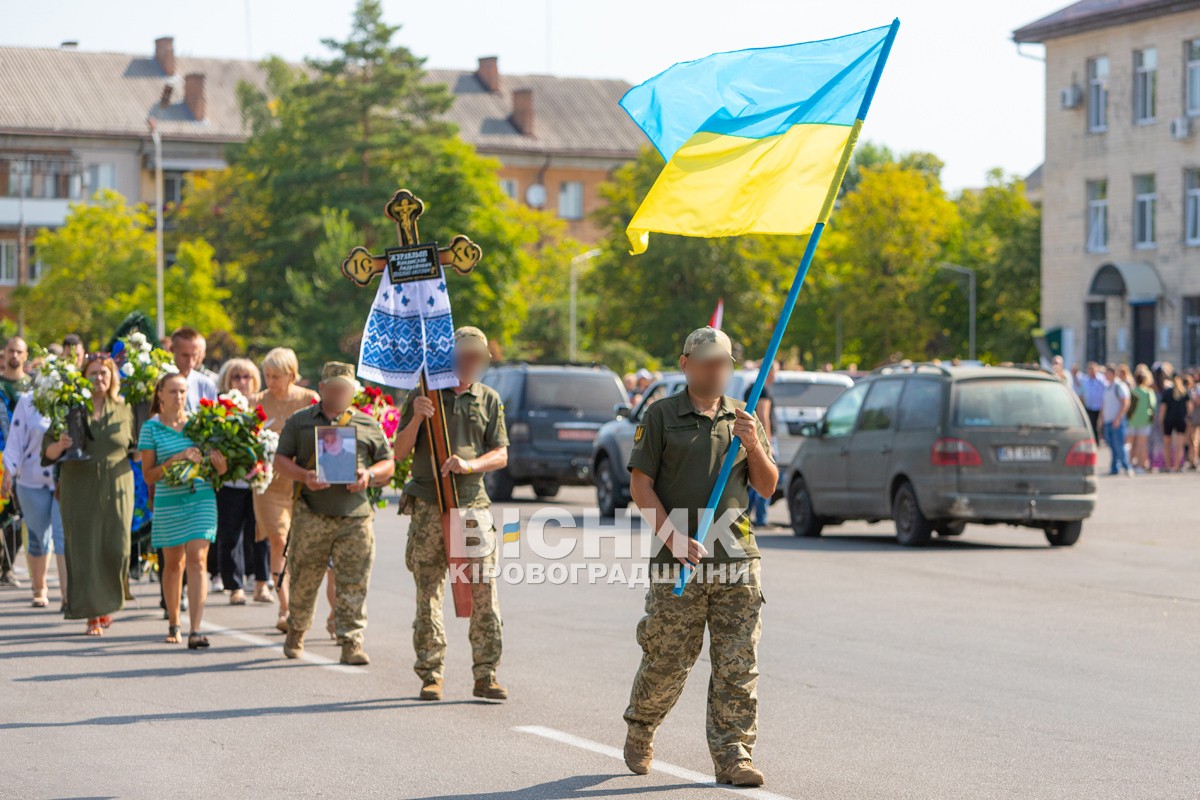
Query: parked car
x=934, y=447
x=614, y=440
x=552, y=413
x=801, y=397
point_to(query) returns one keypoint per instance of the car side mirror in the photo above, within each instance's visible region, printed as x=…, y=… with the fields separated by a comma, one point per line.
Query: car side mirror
x=622, y=411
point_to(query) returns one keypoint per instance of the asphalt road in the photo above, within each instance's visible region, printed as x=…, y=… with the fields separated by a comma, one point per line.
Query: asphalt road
x=984, y=666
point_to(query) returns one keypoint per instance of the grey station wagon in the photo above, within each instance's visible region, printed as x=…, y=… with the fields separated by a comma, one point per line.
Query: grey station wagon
x=934, y=447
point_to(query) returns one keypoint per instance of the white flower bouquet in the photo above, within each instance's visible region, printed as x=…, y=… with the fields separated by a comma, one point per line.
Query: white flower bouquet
x=58, y=389
x=144, y=365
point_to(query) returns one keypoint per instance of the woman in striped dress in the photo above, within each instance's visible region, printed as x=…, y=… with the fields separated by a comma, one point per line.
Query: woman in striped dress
x=185, y=517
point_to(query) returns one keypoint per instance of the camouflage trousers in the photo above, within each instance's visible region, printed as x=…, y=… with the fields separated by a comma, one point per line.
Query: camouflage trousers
x=313, y=540
x=425, y=556
x=672, y=634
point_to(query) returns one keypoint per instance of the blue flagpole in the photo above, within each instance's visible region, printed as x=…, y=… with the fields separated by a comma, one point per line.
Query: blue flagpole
x=785, y=316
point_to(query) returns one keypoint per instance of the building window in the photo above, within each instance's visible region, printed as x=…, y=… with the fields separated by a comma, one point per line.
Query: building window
x=1097, y=216
x=1097, y=94
x=509, y=187
x=101, y=177
x=1145, y=72
x=570, y=200
x=1193, y=78
x=172, y=188
x=1191, y=331
x=1145, y=199
x=1191, y=206
x=37, y=270
x=8, y=263
x=1097, y=333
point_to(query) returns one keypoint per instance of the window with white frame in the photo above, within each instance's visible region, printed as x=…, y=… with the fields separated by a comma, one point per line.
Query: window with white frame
x=101, y=177
x=509, y=187
x=8, y=263
x=1097, y=101
x=1191, y=206
x=570, y=200
x=1192, y=78
x=1145, y=77
x=1097, y=216
x=172, y=188
x=1145, y=200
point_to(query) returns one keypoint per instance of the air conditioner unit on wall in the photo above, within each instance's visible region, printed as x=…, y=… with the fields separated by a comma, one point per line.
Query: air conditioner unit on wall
x=1181, y=128
x=1070, y=97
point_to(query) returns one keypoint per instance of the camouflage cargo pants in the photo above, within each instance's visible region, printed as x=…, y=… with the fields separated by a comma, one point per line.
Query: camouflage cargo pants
x=672, y=634
x=425, y=557
x=313, y=540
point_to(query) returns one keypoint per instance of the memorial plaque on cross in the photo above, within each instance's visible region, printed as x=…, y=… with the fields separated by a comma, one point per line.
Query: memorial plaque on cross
x=408, y=343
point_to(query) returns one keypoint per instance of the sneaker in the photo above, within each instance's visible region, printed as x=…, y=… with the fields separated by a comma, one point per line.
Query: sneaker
x=9, y=578
x=217, y=586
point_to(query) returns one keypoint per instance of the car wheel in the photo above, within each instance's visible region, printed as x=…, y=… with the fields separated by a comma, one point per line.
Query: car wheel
x=499, y=485
x=912, y=528
x=545, y=489
x=1064, y=534
x=805, y=521
x=950, y=528
x=606, y=487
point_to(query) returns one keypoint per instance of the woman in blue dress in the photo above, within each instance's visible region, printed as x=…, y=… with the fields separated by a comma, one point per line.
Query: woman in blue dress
x=185, y=517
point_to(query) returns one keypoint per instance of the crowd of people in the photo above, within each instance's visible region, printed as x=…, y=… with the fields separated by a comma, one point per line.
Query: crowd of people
x=1148, y=416
x=82, y=512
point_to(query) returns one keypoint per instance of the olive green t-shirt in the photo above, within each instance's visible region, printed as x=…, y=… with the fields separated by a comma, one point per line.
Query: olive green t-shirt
x=475, y=424
x=298, y=441
x=682, y=450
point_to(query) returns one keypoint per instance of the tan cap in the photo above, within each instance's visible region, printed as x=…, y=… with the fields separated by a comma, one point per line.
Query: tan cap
x=705, y=344
x=468, y=337
x=339, y=371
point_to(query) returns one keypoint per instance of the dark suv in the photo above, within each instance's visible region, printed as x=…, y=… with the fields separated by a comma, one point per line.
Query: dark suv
x=934, y=447
x=552, y=413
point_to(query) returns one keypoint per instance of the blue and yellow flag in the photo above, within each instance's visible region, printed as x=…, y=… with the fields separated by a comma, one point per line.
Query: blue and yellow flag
x=756, y=141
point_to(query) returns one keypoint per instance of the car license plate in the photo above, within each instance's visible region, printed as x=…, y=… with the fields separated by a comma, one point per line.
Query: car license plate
x=576, y=434
x=1024, y=452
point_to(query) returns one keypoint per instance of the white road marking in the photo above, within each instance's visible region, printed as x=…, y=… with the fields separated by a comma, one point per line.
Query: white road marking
x=658, y=766
x=261, y=641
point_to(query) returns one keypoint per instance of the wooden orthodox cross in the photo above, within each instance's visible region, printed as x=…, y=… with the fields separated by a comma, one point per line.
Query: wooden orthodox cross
x=408, y=342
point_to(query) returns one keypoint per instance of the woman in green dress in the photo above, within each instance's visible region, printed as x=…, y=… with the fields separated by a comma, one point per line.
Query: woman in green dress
x=96, y=499
x=185, y=517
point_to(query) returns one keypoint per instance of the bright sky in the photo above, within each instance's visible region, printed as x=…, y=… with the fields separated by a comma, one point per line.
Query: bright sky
x=954, y=85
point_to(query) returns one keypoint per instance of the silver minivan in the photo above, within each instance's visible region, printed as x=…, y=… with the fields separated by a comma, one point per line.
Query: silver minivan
x=934, y=448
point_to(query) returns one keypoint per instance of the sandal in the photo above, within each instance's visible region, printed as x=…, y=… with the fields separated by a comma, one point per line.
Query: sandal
x=262, y=594
x=40, y=601
x=331, y=627
x=172, y=634
x=197, y=640
x=93, y=627
x=105, y=621
x=281, y=623
x=237, y=598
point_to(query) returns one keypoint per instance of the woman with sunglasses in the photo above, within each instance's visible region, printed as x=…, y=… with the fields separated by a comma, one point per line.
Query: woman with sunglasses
x=96, y=501
x=238, y=553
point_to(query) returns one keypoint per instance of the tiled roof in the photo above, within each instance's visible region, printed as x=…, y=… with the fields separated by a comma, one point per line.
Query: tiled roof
x=1088, y=15
x=76, y=92
x=576, y=116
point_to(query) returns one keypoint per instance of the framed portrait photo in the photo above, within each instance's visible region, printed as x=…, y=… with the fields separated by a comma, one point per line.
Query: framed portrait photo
x=337, y=453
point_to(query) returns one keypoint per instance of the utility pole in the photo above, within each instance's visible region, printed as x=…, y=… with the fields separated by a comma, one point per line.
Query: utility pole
x=160, y=314
x=575, y=262
x=970, y=273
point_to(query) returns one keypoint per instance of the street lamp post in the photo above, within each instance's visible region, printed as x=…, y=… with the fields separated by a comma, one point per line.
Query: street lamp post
x=575, y=262
x=160, y=314
x=970, y=273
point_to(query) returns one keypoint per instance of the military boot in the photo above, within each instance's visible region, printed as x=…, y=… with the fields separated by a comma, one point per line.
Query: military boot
x=741, y=773
x=638, y=755
x=488, y=689
x=352, y=653
x=294, y=645
x=431, y=689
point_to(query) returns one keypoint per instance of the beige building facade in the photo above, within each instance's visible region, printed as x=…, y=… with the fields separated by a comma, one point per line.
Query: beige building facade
x=1121, y=181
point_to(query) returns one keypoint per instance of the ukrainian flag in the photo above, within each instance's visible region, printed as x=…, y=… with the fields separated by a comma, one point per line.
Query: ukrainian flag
x=756, y=141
